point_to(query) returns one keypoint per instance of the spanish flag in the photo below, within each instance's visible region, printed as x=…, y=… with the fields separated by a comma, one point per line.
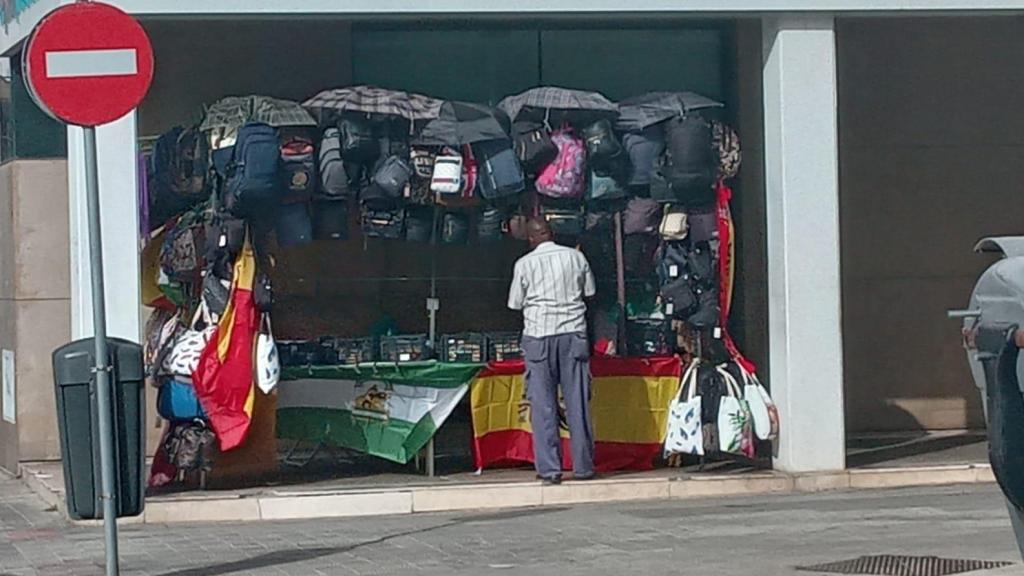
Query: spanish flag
x=223, y=379
x=629, y=406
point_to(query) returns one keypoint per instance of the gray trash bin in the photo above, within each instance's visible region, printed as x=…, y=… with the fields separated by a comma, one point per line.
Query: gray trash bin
x=79, y=431
x=995, y=312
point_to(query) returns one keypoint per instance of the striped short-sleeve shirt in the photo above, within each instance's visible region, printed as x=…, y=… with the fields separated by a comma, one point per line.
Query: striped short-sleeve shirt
x=549, y=285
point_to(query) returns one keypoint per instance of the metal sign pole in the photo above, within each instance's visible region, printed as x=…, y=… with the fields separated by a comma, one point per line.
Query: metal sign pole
x=104, y=405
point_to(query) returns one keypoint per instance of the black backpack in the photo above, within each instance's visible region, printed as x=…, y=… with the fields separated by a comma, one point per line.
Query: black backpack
x=454, y=228
x=419, y=223
x=604, y=151
x=383, y=223
x=489, y=227
x=298, y=163
x=330, y=218
x=693, y=160
x=191, y=165
x=533, y=146
x=678, y=299
x=644, y=149
x=673, y=262
x=500, y=174
x=358, y=142
x=564, y=222
x=333, y=176
x=254, y=174
x=707, y=311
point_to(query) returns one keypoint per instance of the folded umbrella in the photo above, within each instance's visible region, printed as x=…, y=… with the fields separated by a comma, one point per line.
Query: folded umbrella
x=648, y=109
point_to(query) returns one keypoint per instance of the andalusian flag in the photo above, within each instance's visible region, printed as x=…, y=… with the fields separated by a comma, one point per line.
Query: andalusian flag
x=629, y=404
x=387, y=410
x=224, y=378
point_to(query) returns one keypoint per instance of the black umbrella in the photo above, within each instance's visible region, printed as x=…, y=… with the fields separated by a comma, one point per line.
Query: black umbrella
x=648, y=109
x=555, y=105
x=464, y=123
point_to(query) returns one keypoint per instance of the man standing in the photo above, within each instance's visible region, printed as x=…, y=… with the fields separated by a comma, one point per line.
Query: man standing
x=549, y=285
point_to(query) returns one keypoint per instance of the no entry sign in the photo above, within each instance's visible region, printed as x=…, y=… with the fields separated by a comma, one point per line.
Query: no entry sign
x=88, y=63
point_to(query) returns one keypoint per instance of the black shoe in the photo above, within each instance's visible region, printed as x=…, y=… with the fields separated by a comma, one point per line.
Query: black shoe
x=550, y=480
x=584, y=477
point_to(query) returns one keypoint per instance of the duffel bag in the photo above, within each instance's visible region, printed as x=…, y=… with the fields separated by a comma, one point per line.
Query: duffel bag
x=567, y=222
x=176, y=400
x=330, y=218
x=419, y=223
x=454, y=228
x=500, y=175
x=358, y=142
x=644, y=149
x=533, y=146
x=298, y=164
x=673, y=223
x=333, y=176
x=693, y=160
x=383, y=223
x=489, y=226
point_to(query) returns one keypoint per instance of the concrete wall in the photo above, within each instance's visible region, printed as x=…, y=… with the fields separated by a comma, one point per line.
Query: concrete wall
x=931, y=142
x=34, y=299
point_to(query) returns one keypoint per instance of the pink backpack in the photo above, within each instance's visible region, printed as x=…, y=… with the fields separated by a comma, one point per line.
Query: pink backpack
x=566, y=176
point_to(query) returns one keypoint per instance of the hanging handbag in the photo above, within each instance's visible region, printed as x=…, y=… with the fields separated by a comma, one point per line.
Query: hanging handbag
x=735, y=434
x=684, y=432
x=176, y=401
x=267, y=365
x=189, y=345
x=763, y=411
x=673, y=223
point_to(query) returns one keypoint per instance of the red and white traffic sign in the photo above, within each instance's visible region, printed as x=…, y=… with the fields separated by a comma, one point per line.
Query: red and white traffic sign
x=88, y=63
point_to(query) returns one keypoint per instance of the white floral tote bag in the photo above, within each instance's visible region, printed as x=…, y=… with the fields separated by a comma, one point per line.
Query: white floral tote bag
x=735, y=430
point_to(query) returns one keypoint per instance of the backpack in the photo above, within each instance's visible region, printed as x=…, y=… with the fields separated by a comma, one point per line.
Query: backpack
x=333, y=176
x=678, y=299
x=191, y=164
x=490, y=224
x=382, y=223
x=533, y=146
x=642, y=216
x=707, y=312
x=604, y=188
x=673, y=223
x=727, y=146
x=419, y=224
x=700, y=263
x=660, y=188
x=298, y=162
x=500, y=174
x=181, y=255
x=672, y=262
x=565, y=177
x=703, y=224
x=188, y=446
x=447, y=174
x=470, y=176
x=330, y=218
x=176, y=400
x=359, y=145
x=454, y=228
x=419, y=189
x=254, y=179
x=644, y=149
x=693, y=163
x=603, y=148
x=564, y=221
x=392, y=176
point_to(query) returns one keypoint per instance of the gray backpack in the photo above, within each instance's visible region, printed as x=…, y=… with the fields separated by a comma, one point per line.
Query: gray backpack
x=333, y=178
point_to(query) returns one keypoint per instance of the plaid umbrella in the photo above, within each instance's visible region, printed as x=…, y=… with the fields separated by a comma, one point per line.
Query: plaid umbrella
x=276, y=112
x=465, y=123
x=548, y=103
x=373, y=100
x=648, y=109
x=229, y=113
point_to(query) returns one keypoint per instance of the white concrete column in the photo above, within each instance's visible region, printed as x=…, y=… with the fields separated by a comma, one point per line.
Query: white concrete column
x=802, y=209
x=116, y=148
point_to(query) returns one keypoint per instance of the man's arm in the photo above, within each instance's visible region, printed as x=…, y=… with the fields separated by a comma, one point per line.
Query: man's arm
x=517, y=291
x=589, y=285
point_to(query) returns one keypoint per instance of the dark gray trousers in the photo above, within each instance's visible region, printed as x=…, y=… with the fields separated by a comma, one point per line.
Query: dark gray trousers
x=562, y=359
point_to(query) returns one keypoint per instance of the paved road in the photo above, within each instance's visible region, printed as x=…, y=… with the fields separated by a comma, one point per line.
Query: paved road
x=741, y=536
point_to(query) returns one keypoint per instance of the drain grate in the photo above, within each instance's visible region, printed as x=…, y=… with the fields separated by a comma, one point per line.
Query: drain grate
x=889, y=565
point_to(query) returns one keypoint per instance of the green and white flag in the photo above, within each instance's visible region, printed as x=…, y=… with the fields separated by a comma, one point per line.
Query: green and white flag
x=387, y=410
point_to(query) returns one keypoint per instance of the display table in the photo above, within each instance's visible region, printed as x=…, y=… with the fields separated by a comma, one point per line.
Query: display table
x=385, y=409
x=629, y=406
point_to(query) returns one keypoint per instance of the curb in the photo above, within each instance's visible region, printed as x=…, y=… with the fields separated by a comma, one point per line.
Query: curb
x=299, y=504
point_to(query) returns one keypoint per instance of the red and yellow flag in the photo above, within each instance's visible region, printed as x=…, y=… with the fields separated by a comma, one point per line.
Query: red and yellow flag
x=629, y=406
x=224, y=378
